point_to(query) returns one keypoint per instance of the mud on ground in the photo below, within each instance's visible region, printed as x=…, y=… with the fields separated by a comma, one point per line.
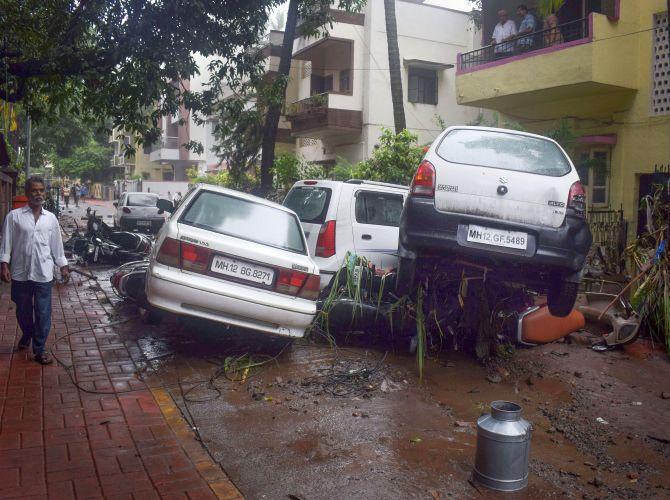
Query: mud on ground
x=318, y=422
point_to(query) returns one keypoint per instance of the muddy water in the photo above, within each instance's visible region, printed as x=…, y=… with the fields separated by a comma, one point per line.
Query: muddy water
x=283, y=431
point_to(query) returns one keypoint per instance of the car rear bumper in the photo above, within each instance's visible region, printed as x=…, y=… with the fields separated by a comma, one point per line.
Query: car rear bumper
x=423, y=228
x=226, y=302
x=131, y=224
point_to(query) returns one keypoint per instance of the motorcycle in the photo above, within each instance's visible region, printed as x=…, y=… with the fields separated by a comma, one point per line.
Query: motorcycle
x=128, y=281
x=103, y=244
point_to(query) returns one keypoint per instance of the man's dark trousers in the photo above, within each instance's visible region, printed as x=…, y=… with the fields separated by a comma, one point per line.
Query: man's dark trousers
x=33, y=312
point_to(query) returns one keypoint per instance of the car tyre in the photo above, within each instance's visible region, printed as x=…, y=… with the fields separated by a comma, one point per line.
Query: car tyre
x=406, y=276
x=561, y=297
x=150, y=315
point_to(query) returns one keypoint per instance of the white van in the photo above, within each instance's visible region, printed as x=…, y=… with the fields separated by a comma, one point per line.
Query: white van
x=355, y=216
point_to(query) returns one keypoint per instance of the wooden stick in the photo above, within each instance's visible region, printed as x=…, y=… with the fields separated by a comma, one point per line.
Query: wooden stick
x=83, y=273
x=625, y=289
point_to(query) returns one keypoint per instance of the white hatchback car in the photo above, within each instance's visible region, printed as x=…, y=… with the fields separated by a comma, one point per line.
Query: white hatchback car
x=237, y=259
x=137, y=211
x=355, y=216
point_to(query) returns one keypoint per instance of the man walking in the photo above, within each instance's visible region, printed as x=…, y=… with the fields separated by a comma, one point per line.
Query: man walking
x=77, y=194
x=31, y=245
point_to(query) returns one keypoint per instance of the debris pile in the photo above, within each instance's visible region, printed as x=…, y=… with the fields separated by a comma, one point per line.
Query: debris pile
x=649, y=255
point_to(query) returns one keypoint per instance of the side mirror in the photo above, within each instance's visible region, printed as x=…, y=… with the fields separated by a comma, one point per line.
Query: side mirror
x=165, y=206
x=116, y=204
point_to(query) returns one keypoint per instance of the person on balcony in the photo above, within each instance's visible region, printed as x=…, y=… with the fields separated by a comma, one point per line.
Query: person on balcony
x=526, y=28
x=503, y=33
x=552, y=33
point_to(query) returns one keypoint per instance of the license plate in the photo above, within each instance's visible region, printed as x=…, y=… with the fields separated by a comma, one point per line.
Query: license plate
x=497, y=237
x=242, y=270
x=144, y=223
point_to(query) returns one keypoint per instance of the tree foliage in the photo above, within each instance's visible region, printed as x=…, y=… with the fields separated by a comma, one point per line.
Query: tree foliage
x=87, y=162
x=127, y=60
x=121, y=58
x=395, y=160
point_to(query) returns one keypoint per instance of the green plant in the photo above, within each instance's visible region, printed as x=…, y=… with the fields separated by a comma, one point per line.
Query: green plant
x=395, y=160
x=286, y=171
x=650, y=252
x=547, y=7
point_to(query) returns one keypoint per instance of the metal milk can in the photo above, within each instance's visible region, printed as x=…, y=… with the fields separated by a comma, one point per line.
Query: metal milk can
x=503, y=447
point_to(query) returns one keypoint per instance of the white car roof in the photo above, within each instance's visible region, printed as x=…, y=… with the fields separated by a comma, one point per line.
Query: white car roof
x=495, y=129
x=138, y=192
x=245, y=196
x=353, y=182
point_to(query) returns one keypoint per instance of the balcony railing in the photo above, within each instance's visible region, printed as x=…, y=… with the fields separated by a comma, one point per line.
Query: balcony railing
x=538, y=40
x=166, y=143
x=317, y=103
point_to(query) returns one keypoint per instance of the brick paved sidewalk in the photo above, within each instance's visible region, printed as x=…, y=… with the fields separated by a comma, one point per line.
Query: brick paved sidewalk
x=118, y=441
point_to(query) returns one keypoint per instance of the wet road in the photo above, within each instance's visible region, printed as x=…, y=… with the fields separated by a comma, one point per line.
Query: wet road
x=318, y=422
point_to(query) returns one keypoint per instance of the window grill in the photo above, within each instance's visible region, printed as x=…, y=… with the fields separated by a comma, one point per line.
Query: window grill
x=660, y=92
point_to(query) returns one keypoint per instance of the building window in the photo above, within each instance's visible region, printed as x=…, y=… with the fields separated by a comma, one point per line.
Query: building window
x=660, y=94
x=328, y=83
x=380, y=209
x=594, y=168
x=345, y=80
x=422, y=87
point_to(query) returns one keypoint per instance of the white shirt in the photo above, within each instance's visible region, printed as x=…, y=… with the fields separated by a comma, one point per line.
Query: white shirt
x=502, y=31
x=32, y=248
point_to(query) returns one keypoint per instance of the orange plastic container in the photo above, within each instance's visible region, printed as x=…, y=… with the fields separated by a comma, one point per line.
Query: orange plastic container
x=19, y=200
x=539, y=326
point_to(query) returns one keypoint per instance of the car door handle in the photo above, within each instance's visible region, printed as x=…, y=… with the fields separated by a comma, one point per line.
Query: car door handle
x=366, y=237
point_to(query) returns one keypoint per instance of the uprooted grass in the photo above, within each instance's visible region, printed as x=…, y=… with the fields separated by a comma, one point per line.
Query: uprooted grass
x=456, y=308
x=650, y=252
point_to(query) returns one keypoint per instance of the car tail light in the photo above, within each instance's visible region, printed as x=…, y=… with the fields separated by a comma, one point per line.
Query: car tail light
x=169, y=253
x=577, y=199
x=194, y=257
x=290, y=282
x=423, y=183
x=325, y=243
x=311, y=289
x=310, y=183
x=126, y=210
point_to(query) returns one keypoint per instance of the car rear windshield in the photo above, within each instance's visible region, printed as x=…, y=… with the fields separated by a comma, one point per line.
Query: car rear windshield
x=142, y=200
x=245, y=219
x=309, y=202
x=492, y=149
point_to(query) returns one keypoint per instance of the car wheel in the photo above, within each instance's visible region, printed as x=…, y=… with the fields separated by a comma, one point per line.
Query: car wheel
x=561, y=297
x=151, y=315
x=406, y=276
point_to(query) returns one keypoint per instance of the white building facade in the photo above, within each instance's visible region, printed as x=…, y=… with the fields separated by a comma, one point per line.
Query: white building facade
x=343, y=84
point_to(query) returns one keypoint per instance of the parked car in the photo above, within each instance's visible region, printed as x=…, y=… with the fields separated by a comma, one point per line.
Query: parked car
x=233, y=258
x=137, y=211
x=355, y=216
x=507, y=199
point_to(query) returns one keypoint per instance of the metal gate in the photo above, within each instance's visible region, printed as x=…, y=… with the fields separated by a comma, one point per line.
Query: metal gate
x=609, y=230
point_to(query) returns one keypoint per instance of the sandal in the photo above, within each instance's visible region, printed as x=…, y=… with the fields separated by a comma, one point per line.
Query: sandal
x=43, y=359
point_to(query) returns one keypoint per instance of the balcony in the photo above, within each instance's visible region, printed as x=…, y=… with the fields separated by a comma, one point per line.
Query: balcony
x=166, y=149
x=325, y=116
x=552, y=73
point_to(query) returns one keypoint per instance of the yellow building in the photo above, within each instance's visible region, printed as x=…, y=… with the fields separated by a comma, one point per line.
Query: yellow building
x=605, y=70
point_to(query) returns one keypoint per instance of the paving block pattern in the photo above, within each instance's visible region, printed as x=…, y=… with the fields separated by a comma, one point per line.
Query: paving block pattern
x=110, y=437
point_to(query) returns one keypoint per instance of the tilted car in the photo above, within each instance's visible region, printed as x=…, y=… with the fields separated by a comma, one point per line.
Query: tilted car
x=233, y=258
x=356, y=216
x=137, y=211
x=503, y=198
